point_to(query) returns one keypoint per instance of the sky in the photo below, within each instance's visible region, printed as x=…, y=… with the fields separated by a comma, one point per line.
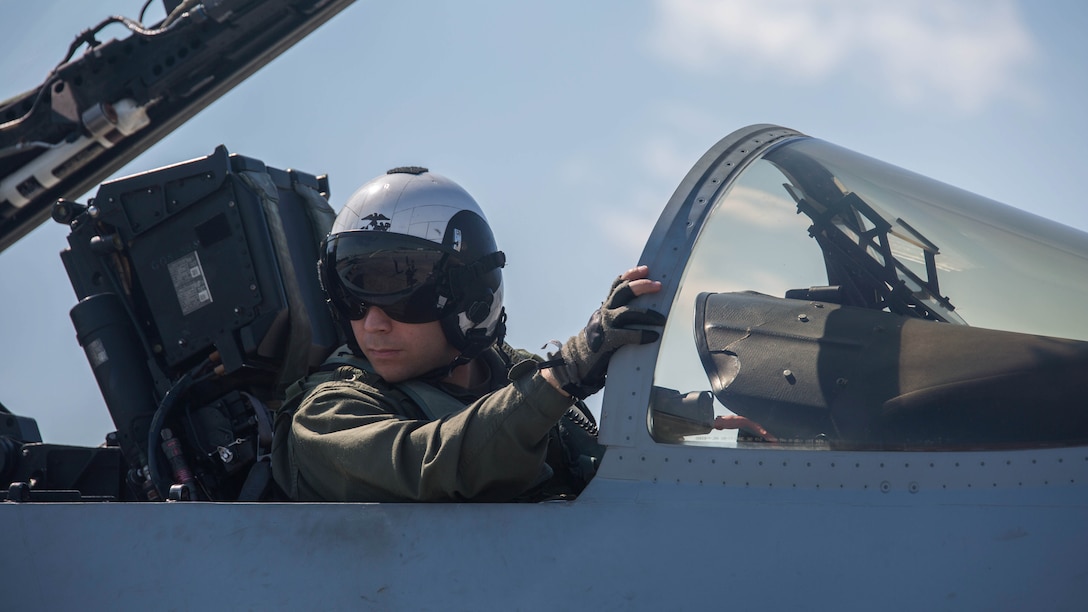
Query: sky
x=573, y=122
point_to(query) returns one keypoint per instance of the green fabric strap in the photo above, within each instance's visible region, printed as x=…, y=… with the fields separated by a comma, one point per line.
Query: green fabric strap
x=434, y=402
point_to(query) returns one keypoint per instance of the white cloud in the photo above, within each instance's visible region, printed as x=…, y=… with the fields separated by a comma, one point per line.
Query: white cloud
x=663, y=160
x=756, y=207
x=966, y=53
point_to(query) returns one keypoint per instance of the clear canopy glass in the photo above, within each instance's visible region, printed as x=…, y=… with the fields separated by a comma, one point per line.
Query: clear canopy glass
x=825, y=226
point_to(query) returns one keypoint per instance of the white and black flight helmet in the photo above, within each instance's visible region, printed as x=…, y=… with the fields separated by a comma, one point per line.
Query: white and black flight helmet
x=417, y=245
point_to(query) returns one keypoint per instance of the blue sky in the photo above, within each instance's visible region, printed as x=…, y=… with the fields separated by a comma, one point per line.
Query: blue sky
x=572, y=123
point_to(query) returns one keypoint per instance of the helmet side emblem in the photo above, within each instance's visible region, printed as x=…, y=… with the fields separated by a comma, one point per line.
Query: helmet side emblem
x=377, y=222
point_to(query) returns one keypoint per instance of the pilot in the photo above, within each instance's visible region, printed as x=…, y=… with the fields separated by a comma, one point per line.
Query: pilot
x=426, y=402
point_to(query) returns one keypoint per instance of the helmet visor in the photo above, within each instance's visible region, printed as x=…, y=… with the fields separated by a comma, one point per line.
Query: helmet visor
x=402, y=275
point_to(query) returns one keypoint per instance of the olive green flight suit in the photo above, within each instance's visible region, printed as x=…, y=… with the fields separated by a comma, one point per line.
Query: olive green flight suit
x=345, y=434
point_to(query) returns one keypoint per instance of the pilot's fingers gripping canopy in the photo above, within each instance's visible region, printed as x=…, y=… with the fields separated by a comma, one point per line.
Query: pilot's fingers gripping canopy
x=418, y=246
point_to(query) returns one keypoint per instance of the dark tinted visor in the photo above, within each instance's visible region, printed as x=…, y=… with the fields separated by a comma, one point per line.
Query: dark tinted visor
x=400, y=274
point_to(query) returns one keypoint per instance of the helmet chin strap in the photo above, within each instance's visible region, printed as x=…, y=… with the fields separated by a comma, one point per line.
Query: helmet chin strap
x=476, y=342
x=445, y=371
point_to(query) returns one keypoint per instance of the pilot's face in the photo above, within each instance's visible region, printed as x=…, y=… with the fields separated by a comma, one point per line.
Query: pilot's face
x=401, y=351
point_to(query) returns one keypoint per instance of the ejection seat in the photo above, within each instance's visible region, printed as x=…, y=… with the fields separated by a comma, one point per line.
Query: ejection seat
x=198, y=304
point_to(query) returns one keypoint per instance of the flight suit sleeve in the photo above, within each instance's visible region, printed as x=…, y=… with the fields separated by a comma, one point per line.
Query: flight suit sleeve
x=347, y=442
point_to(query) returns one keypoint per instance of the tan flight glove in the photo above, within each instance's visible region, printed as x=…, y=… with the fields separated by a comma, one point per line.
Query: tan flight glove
x=581, y=363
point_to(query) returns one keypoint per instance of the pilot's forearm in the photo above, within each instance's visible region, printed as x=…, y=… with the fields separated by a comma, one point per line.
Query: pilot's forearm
x=348, y=446
x=549, y=376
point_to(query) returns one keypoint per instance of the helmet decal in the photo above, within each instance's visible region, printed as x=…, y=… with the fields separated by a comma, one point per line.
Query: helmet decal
x=378, y=222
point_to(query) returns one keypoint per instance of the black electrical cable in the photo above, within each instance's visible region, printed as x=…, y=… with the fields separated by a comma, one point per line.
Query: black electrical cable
x=88, y=36
x=158, y=421
x=144, y=9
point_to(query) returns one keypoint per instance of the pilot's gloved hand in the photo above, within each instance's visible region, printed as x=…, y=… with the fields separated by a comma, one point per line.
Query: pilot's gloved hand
x=582, y=361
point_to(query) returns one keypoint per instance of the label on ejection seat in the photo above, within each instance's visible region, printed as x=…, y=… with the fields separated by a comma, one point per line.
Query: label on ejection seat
x=189, y=283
